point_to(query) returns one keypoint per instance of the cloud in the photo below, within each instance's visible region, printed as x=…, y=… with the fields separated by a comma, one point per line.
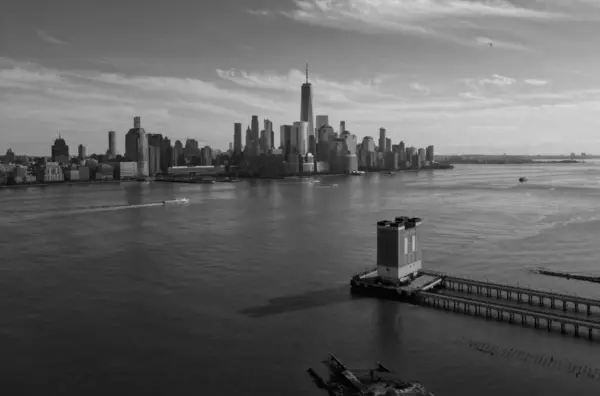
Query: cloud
x=259, y=12
x=420, y=88
x=404, y=15
x=334, y=91
x=50, y=39
x=486, y=41
x=38, y=98
x=497, y=80
x=533, y=81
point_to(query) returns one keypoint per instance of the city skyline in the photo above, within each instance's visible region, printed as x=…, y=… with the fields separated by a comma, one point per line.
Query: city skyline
x=472, y=77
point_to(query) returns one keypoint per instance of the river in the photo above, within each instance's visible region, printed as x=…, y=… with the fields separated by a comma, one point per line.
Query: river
x=247, y=285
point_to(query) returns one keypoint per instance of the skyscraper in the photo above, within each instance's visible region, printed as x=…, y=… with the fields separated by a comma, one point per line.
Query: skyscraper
x=285, y=136
x=81, y=151
x=299, y=133
x=266, y=140
x=381, y=139
x=321, y=120
x=60, y=151
x=237, y=137
x=112, y=144
x=255, y=135
x=136, y=147
x=306, y=113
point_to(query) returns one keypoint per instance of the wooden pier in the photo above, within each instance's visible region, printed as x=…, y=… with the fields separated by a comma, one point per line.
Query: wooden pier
x=518, y=294
x=540, y=309
x=501, y=312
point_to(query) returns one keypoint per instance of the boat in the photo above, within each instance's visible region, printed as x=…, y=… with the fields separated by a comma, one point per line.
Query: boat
x=522, y=179
x=376, y=381
x=231, y=180
x=176, y=201
x=356, y=173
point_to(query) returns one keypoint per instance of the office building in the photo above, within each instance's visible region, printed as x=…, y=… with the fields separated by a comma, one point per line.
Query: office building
x=320, y=121
x=299, y=134
x=237, y=137
x=381, y=139
x=60, y=151
x=112, y=144
x=306, y=114
x=255, y=136
x=81, y=151
x=136, y=147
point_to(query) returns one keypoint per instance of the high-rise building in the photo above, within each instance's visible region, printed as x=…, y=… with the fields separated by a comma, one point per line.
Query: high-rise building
x=206, y=156
x=272, y=138
x=112, y=144
x=237, y=137
x=342, y=127
x=381, y=139
x=248, y=145
x=320, y=121
x=136, y=147
x=166, y=155
x=266, y=139
x=81, y=151
x=306, y=113
x=178, y=153
x=388, y=145
x=402, y=156
x=299, y=134
x=422, y=155
x=60, y=151
x=285, y=138
x=429, y=155
x=255, y=136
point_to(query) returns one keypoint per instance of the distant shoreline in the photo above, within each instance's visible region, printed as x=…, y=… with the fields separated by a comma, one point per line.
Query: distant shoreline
x=501, y=162
x=98, y=182
x=66, y=183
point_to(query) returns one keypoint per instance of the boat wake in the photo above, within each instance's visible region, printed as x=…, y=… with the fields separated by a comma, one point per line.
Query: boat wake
x=97, y=209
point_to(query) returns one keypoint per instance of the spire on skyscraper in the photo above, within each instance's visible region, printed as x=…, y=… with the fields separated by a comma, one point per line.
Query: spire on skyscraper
x=307, y=72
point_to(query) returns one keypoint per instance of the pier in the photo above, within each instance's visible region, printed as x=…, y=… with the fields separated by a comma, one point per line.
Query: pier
x=399, y=275
x=502, y=312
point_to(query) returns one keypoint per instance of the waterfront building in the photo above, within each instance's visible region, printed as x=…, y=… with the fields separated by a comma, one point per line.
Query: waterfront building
x=429, y=155
x=177, y=153
x=422, y=156
x=206, y=156
x=136, y=147
x=112, y=144
x=166, y=155
x=388, y=145
x=60, y=151
x=342, y=127
x=325, y=136
x=350, y=142
x=367, y=159
x=50, y=172
x=153, y=160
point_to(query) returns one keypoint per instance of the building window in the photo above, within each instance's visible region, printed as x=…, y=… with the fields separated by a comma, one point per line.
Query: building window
x=414, y=243
x=406, y=246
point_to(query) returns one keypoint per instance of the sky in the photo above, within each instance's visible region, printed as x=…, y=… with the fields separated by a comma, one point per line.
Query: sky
x=468, y=76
